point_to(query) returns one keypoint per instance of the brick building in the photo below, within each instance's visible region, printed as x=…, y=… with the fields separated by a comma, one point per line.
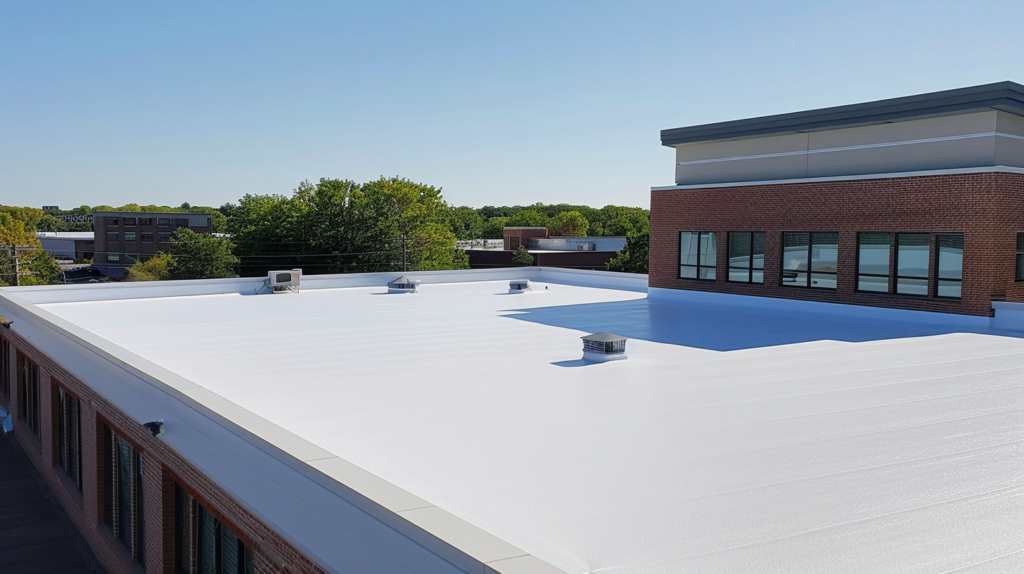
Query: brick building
x=911, y=203
x=123, y=238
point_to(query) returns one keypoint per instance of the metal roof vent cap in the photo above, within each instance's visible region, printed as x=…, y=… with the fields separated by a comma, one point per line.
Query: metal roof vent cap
x=519, y=286
x=403, y=285
x=603, y=347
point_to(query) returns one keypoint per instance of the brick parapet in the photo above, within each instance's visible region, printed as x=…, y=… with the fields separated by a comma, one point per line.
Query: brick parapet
x=987, y=208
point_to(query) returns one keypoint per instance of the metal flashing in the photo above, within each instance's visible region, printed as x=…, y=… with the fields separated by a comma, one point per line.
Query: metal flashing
x=1002, y=96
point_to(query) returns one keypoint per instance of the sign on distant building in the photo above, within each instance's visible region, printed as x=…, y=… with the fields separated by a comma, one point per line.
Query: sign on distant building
x=74, y=218
x=51, y=207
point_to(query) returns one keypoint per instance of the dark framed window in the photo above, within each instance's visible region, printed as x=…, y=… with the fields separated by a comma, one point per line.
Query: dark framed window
x=145, y=221
x=28, y=393
x=124, y=510
x=112, y=237
x=113, y=257
x=810, y=259
x=204, y=544
x=5, y=369
x=697, y=255
x=147, y=238
x=1019, y=275
x=746, y=256
x=873, y=251
x=69, y=436
x=179, y=222
x=110, y=221
x=129, y=236
x=949, y=265
x=129, y=221
x=913, y=252
x=165, y=237
x=163, y=221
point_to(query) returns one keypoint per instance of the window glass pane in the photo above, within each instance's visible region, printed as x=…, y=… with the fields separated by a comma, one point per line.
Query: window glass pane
x=123, y=469
x=824, y=252
x=1020, y=243
x=129, y=221
x=757, y=249
x=688, y=272
x=707, y=273
x=757, y=276
x=951, y=256
x=112, y=236
x=876, y=284
x=129, y=236
x=823, y=280
x=912, y=255
x=688, y=248
x=739, y=275
x=182, y=531
x=228, y=551
x=739, y=251
x=1020, y=267
x=206, y=543
x=947, y=289
x=905, y=286
x=794, y=251
x=873, y=254
x=797, y=278
x=113, y=258
x=707, y=249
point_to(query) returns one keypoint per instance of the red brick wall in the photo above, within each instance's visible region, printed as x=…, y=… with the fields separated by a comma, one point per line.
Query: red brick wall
x=988, y=208
x=161, y=467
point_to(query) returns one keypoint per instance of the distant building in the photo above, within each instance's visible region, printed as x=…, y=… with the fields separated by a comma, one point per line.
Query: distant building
x=125, y=238
x=566, y=252
x=68, y=244
x=516, y=236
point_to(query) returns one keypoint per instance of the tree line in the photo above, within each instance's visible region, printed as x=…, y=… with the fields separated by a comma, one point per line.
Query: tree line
x=341, y=226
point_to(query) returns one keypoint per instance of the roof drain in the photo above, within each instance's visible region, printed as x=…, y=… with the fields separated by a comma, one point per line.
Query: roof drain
x=604, y=347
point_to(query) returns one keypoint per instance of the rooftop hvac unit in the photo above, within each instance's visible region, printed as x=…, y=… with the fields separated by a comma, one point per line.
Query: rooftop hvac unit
x=285, y=281
x=519, y=286
x=602, y=347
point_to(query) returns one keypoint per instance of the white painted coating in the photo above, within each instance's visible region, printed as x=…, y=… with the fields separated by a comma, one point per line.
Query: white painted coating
x=735, y=439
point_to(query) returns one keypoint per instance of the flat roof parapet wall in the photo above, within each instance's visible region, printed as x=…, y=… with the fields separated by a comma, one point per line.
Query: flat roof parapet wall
x=254, y=285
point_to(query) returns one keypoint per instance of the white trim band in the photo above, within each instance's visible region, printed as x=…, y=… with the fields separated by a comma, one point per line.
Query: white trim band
x=926, y=173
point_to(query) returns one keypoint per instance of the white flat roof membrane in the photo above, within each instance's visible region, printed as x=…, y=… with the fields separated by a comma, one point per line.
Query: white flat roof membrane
x=731, y=440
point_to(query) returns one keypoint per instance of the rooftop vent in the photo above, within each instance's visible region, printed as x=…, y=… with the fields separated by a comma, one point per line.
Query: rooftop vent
x=519, y=286
x=602, y=347
x=403, y=285
x=285, y=281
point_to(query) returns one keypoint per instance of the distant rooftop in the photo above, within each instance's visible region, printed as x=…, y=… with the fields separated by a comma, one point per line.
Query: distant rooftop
x=1003, y=96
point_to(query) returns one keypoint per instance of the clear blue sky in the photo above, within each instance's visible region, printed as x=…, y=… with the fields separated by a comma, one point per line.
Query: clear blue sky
x=497, y=103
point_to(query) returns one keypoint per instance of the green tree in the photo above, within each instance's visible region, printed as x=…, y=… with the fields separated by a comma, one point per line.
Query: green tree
x=528, y=218
x=569, y=223
x=200, y=256
x=156, y=268
x=634, y=256
x=494, y=227
x=522, y=257
x=39, y=266
x=467, y=223
x=51, y=223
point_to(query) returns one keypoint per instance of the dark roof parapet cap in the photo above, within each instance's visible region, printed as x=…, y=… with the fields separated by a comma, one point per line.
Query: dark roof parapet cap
x=1003, y=96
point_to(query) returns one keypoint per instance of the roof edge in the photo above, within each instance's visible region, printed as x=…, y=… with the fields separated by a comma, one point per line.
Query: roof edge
x=1004, y=96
